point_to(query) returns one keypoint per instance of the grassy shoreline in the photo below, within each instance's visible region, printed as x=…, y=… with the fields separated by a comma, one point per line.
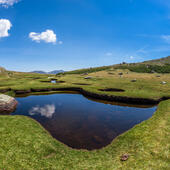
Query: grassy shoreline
x=32, y=147
x=94, y=95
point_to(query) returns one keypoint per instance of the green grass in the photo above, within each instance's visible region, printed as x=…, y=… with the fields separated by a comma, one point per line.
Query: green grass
x=147, y=85
x=86, y=70
x=24, y=144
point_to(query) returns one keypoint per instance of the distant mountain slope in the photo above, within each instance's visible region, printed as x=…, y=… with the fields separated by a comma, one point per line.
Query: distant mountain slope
x=158, y=66
x=2, y=70
x=51, y=72
x=39, y=72
x=56, y=72
x=161, y=61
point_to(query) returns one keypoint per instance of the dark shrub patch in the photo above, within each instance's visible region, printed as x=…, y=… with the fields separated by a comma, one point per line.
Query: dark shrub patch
x=112, y=89
x=81, y=84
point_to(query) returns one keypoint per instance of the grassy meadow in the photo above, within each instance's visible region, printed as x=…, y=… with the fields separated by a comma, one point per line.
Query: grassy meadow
x=147, y=85
x=25, y=144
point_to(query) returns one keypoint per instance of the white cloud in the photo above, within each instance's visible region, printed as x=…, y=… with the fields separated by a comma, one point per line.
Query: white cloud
x=7, y=3
x=47, y=111
x=131, y=57
x=60, y=42
x=5, y=26
x=166, y=38
x=48, y=36
x=109, y=54
x=142, y=50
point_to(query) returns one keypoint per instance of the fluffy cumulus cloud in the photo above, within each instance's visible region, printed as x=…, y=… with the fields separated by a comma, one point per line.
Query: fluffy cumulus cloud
x=5, y=26
x=48, y=36
x=7, y=3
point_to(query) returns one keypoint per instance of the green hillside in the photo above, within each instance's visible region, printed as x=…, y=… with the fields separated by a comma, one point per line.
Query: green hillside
x=152, y=66
x=161, y=61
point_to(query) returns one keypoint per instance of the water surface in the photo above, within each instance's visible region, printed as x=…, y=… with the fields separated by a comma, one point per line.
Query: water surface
x=79, y=122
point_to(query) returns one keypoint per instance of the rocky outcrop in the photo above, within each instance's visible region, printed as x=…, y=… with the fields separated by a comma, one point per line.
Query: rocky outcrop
x=7, y=104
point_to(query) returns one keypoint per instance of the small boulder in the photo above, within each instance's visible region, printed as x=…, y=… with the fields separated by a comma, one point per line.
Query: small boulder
x=84, y=74
x=89, y=77
x=7, y=104
x=163, y=82
x=134, y=80
x=111, y=73
x=124, y=157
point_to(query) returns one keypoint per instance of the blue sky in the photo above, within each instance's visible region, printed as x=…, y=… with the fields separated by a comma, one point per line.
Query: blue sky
x=71, y=34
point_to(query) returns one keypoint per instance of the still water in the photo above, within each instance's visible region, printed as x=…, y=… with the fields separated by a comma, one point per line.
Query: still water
x=80, y=122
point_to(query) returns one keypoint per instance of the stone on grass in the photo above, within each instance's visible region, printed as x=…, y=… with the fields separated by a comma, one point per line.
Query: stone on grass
x=124, y=157
x=120, y=74
x=7, y=104
x=89, y=77
x=163, y=82
x=84, y=74
x=134, y=80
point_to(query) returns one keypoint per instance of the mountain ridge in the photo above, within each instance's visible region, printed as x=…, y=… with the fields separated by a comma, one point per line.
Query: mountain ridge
x=51, y=72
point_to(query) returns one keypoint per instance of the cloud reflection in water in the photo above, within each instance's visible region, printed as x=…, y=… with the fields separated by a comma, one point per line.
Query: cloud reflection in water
x=47, y=110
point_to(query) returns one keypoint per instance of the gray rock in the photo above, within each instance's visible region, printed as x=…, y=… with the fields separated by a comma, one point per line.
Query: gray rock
x=7, y=104
x=134, y=80
x=89, y=77
x=111, y=73
x=120, y=74
x=84, y=74
x=124, y=157
x=163, y=82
